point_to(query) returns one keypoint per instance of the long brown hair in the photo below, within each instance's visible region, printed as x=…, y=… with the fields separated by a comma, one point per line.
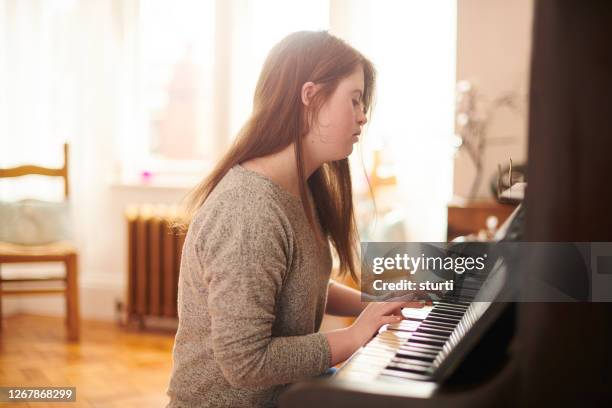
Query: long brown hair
x=279, y=118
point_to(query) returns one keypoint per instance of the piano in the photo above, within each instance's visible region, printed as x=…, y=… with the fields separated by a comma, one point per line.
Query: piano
x=437, y=356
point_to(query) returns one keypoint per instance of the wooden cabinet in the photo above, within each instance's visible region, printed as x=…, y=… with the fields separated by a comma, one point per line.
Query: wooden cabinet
x=469, y=217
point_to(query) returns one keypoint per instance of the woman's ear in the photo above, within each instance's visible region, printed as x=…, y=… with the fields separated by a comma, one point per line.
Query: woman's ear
x=308, y=91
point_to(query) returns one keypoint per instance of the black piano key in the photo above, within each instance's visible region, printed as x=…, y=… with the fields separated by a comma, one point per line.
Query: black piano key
x=414, y=355
x=441, y=313
x=452, y=322
x=438, y=322
x=462, y=311
x=449, y=313
x=429, y=330
x=425, y=340
x=442, y=319
x=418, y=350
x=430, y=336
x=438, y=325
x=419, y=347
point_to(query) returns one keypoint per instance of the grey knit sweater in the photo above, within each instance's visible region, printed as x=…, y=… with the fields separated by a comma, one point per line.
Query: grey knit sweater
x=252, y=293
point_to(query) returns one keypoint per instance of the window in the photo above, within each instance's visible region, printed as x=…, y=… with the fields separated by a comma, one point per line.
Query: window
x=177, y=53
x=198, y=62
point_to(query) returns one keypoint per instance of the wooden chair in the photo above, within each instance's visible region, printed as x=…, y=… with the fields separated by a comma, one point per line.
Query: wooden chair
x=62, y=252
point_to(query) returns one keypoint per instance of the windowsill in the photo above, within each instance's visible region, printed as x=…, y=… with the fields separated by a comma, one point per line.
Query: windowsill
x=164, y=174
x=174, y=186
x=173, y=182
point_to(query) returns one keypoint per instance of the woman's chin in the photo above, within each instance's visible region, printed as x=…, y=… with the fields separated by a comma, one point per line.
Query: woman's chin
x=350, y=151
x=342, y=155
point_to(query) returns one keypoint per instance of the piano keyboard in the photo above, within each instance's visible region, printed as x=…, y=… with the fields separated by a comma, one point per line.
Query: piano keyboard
x=413, y=361
x=415, y=347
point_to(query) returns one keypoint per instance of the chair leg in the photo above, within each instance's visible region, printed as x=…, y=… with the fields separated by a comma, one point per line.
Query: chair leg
x=72, y=298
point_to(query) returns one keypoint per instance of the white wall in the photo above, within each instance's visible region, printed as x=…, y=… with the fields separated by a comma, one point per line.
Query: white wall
x=493, y=51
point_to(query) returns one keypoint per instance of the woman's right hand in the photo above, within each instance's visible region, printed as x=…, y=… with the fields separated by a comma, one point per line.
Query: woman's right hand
x=377, y=314
x=344, y=342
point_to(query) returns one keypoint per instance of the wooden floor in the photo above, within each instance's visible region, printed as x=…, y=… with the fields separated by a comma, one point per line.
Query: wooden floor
x=110, y=367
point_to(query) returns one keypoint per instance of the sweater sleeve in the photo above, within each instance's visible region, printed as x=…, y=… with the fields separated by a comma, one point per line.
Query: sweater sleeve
x=245, y=256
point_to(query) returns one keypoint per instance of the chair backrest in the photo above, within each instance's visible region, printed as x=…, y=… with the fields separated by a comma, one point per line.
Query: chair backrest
x=29, y=169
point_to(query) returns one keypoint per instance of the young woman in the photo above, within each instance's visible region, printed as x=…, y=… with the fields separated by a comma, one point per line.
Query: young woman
x=254, y=280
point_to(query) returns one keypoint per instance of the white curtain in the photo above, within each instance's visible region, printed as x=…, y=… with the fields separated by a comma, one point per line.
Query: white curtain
x=67, y=74
x=38, y=84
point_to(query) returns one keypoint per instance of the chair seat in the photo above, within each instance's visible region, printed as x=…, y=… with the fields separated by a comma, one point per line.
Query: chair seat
x=55, y=251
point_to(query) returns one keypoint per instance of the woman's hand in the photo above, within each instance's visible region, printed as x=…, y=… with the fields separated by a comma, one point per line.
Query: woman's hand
x=375, y=315
x=344, y=342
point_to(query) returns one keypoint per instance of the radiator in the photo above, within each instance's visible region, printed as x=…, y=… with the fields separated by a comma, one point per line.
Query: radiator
x=154, y=256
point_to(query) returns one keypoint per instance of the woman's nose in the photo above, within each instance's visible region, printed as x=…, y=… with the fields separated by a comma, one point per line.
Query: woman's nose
x=362, y=119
